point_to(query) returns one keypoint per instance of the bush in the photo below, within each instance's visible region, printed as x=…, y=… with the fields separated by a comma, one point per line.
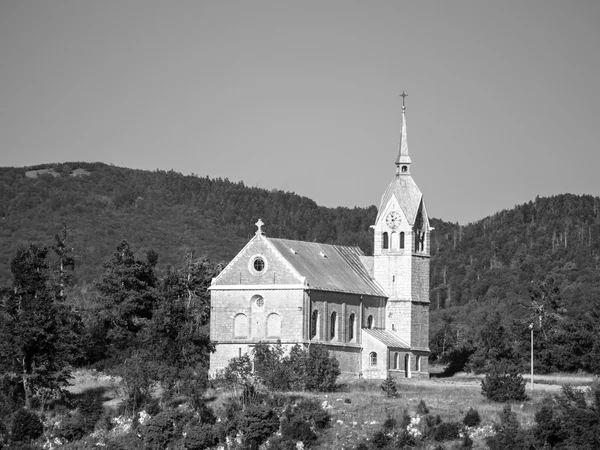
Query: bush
x=322, y=370
x=503, y=383
x=26, y=426
x=389, y=423
x=296, y=429
x=380, y=439
x=129, y=441
x=257, y=423
x=422, y=408
x=566, y=420
x=472, y=418
x=389, y=387
x=447, y=431
x=509, y=434
x=302, y=421
x=162, y=429
x=271, y=367
x=200, y=437
x=72, y=428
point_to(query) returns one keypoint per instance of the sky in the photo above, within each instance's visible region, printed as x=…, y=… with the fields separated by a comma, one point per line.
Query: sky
x=503, y=97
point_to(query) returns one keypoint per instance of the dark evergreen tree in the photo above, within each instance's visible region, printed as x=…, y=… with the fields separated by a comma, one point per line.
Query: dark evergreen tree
x=36, y=332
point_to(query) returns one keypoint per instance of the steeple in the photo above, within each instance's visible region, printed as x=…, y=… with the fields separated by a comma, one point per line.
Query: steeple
x=403, y=160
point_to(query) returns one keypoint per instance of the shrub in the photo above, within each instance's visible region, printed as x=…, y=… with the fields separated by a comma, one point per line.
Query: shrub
x=72, y=428
x=447, y=431
x=389, y=423
x=566, y=420
x=26, y=426
x=322, y=370
x=503, y=383
x=422, y=408
x=389, y=387
x=302, y=421
x=257, y=423
x=200, y=437
x=509, y=434
x=380, y=439
x=239, y=370
x=310, y=410
x=297, y=429
x=270, y=366
x=161, y=429
x=472, y=418
x=129, y=441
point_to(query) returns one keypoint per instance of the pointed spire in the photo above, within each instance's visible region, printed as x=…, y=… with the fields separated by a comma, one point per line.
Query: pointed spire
x=403, y=159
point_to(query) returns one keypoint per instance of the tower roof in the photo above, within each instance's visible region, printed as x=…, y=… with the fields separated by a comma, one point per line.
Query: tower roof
x=407, y=194
x=403, y=187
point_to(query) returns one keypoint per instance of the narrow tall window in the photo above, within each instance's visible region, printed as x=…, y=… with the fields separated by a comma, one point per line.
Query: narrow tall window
x=314, y=323
x=396, y=360
x=273, y=325
x=402, y=239
x=373, y=359
x=385, y=240
x=240, y=326
x=370, y=322
x=332, y=325
x=351, y=327
x=418, y=363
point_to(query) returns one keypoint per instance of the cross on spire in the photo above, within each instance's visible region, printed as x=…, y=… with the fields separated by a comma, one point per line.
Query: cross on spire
x=403, y=95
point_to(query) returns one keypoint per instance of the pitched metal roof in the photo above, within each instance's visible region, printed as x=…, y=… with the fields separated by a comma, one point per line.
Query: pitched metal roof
x=387, y=338
x=329, y=267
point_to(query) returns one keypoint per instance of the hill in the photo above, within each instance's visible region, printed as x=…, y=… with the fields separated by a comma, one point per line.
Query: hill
x=165, y=211
x=485, y=269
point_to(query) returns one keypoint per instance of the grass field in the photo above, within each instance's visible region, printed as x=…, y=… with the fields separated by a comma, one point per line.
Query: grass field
x=451, y=398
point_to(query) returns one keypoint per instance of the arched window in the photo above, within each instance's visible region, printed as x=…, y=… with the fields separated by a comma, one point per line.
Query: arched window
x=418, y=363
x=396, y=360
x=394, y=241
x=373, y=359
x=351, y=321
x=240, y=326
x=402, y=239
x=314, y=324
x=370, y=322
x=404, y=168
x=407, y=366
x=385, y=240
x=332, y=325
x=273, y=325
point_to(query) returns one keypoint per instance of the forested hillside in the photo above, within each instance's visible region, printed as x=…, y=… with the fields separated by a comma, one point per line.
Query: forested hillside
x=538, y=262
x=165, y=211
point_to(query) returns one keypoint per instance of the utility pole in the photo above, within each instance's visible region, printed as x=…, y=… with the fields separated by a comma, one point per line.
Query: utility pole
x=531, y=328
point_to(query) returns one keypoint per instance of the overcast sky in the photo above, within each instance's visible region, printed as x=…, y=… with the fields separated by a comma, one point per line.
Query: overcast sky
x=503, y=97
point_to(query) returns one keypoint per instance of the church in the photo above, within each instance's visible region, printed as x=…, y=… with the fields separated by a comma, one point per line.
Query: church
x=371, y=312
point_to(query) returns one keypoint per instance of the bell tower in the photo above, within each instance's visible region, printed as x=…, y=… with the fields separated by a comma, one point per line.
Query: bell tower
x=401, y=252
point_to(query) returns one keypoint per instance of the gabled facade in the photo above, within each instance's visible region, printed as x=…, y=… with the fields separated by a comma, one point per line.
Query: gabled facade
x=372, y=312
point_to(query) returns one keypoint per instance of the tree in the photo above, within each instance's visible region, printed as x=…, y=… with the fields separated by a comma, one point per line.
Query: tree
x=35, y=330
x=127, y=295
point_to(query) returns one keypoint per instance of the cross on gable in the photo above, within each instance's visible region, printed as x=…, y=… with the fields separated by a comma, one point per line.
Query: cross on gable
x=259, y=224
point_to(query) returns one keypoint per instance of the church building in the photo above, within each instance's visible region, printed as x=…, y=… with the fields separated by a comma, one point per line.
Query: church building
x=371, y=312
